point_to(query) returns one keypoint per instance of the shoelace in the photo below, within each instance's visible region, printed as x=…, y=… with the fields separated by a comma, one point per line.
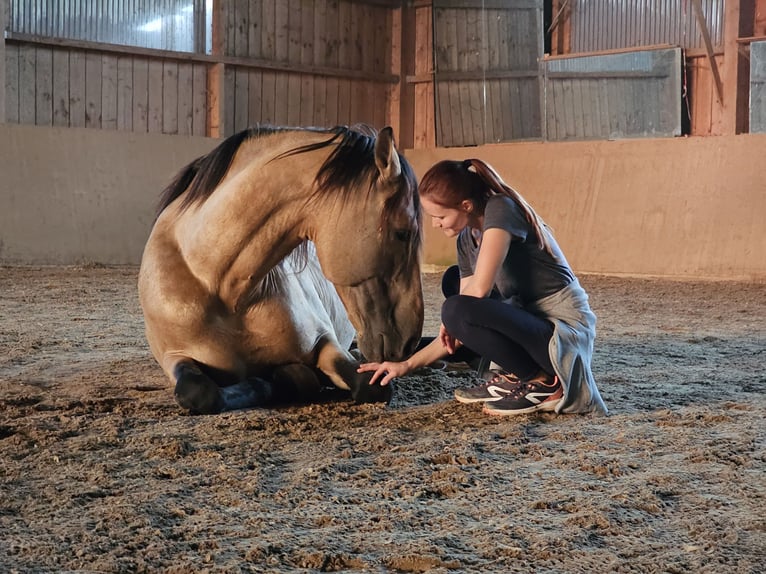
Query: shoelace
x=504, y=377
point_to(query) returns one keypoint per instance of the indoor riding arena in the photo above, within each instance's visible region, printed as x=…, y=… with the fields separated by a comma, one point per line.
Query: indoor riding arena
x=636, y=130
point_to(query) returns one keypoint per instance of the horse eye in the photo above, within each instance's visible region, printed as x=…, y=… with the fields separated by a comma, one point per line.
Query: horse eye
x=404, y=235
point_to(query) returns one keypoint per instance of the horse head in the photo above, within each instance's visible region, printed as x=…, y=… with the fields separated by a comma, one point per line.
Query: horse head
x=368, y=244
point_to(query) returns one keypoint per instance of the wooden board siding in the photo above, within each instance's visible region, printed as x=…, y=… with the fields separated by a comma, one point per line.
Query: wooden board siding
x=288, y=62
x=321, y=47
x=612, y=96
x=487, y=86
x=72, y=87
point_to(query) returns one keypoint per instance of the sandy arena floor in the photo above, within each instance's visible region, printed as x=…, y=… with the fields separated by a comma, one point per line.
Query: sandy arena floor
x=100, y=471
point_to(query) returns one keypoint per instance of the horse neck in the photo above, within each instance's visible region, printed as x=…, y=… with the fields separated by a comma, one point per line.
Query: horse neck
x=252, y=221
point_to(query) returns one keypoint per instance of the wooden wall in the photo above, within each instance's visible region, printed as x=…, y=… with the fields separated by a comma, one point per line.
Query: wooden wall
x=487, y=77
x=48, y=84
x=306, y=62
x=286, y=62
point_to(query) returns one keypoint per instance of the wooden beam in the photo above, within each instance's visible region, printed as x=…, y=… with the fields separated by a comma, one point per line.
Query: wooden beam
x=2, y=60
x=215, y=76
x=709, y=47
x=406, y=136
x=395, y=92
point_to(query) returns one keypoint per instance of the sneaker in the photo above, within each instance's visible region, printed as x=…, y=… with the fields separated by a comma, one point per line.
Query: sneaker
x=542, y=393
x=499, y=386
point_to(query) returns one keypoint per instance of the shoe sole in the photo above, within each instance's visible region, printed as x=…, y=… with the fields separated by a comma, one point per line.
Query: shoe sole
x=546, y=406
x=468, y=401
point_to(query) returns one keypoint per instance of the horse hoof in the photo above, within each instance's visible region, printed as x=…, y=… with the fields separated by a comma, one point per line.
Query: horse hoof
x=199, y=397
x=367, y=393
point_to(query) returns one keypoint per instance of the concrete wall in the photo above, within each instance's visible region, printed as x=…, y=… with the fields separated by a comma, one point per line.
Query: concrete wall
x=685, y=207
x=70, y=195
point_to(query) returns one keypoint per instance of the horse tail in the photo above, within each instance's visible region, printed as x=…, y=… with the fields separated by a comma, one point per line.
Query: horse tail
x=202, y=176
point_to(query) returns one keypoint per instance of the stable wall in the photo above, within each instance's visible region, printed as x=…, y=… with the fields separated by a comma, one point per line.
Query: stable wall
x=676, y=207
x=684, y=207
x=75, y=195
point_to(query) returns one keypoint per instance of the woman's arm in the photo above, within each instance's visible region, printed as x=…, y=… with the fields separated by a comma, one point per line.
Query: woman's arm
x=392, y=369
x=492, y=252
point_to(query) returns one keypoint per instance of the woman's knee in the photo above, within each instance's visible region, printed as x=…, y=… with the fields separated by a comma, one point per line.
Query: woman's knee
x=451, y=281
x=455, y=312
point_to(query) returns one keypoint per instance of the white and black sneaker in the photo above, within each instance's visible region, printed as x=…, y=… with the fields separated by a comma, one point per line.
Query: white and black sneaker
x=499, y=386
x=541, y=393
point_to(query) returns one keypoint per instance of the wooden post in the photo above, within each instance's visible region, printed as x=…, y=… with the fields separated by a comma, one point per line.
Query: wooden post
x=393, y=115
x=407, y=93
x=709, y=45
x=215, y=77
x=2, y=60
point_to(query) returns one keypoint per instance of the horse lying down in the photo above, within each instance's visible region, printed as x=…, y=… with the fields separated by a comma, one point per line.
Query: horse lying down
x=273, y=253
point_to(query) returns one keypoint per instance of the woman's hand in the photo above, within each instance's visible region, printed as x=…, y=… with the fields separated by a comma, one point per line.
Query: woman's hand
x=449, y=342
x=388, y=370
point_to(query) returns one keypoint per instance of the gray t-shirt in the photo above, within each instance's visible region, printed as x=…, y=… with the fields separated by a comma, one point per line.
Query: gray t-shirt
x=528, y=272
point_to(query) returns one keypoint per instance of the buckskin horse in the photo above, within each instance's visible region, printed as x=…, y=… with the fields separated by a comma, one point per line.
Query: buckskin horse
x=272, y=255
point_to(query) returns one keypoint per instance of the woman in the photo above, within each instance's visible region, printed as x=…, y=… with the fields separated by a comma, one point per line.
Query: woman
x=519, y=306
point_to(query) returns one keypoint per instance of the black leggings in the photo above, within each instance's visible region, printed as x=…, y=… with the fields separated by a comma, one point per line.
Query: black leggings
x=515, y=339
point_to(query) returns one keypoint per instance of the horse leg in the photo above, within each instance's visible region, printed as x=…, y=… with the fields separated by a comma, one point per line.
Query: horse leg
x=295, y=382
x=200, y=394
x=341, y=367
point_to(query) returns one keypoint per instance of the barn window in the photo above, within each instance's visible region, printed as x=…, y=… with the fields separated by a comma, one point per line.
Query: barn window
x=176, y=25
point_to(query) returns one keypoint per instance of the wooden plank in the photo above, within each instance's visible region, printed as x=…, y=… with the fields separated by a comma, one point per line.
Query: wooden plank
x=156, y=81
x=319, y=33
x=331, y=102
x=61, y=87
x=495, y=121
x=169, y=97
x=3, y=65
x=344, y=102
x=93, y=80
x=281, y=106
x=216, y=84
x=331, y=26
x=228, y=95
x=307, y=100
x=254, y=115
x=307, y=33
x=108, y=92
x=709, y=48
x=44, y=87
x=140, y=94
x=255, y=28
x=125, y=93
x=11, y=84
x=268, y=29
x=355, y=43
x=345, y=35
x=240, y=34
x=293, y=99
x=185, y=98
x=27, y=84
x=294, y=23
x=282, y=26
x=199, y=100
x=319, y=114
x=268, y=98
x=241, y=98
x=77, y=95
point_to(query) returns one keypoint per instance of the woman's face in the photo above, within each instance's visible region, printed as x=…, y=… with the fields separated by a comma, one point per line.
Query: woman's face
x=451, y=220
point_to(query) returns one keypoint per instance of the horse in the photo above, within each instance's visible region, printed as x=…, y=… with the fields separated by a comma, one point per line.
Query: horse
x=272, y=256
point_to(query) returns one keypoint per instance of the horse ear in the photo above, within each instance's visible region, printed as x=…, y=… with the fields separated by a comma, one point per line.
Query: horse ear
x=386, y=157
